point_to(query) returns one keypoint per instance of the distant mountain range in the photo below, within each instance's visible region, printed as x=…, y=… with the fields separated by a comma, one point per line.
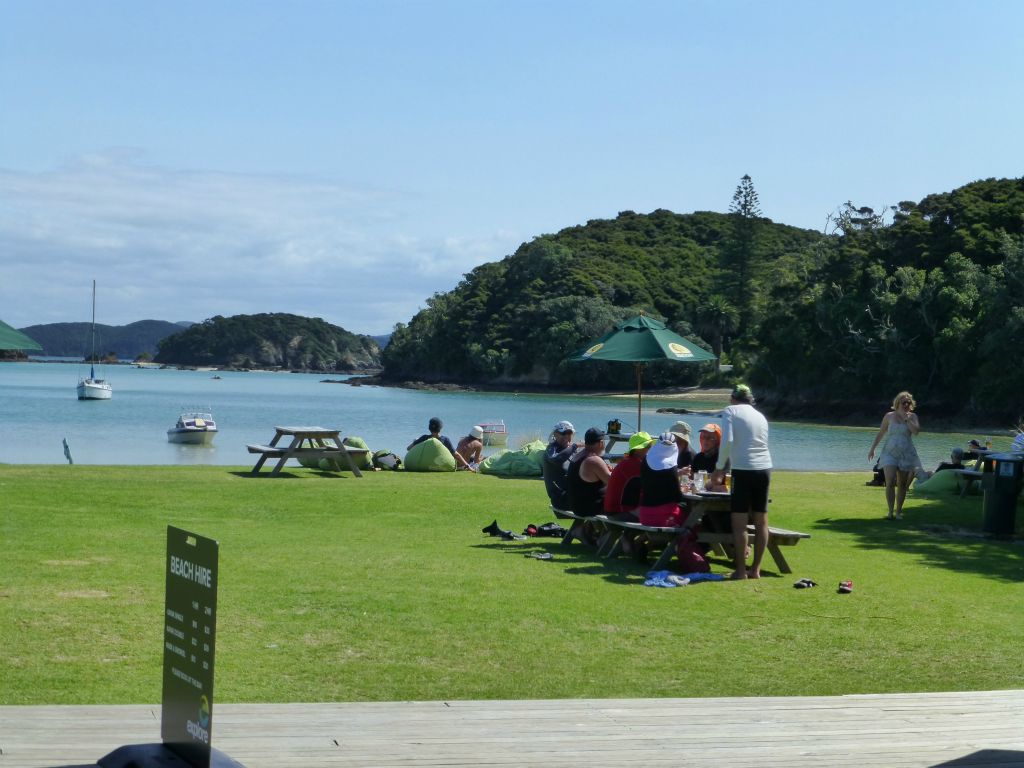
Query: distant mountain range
x=126, y=342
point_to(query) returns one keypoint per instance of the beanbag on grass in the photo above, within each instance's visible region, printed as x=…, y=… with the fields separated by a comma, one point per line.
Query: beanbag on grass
x=526, y=462
x=943, y=481
x=429, y=456
x=366, y=460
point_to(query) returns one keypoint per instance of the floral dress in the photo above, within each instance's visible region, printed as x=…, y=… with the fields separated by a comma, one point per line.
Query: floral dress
x=898, y=450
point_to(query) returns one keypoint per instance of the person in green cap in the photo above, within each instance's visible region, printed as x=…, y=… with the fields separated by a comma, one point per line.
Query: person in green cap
x=622, y=495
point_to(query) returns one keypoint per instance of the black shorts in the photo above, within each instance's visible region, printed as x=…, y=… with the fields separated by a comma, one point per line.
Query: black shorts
x=750, y=490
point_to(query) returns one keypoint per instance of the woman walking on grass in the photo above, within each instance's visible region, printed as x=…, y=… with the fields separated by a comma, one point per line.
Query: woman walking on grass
x=899, y=457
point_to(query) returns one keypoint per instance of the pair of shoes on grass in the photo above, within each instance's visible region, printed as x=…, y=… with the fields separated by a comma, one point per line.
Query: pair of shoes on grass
x=805, y=584
x=494, y=530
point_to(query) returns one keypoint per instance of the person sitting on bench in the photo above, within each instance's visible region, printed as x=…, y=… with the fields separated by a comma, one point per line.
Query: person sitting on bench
x=588, y=476
x=660, y=481
x=622, y=496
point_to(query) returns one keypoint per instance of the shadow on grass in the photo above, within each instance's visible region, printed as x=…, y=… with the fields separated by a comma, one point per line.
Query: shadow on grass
x=942, y=533
x=581, y=560
x=285, y=474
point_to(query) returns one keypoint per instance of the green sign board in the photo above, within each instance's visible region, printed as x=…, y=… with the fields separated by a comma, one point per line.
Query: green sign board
x=190, y=627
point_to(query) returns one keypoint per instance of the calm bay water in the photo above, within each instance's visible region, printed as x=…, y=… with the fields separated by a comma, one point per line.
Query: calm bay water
x=39, y=409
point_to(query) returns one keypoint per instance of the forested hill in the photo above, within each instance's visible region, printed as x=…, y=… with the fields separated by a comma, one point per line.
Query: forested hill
x=124, y=342
x=514, y=321
x=271, y=341
x=926, y=296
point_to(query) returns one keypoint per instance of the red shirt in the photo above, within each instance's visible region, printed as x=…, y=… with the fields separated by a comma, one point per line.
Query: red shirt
x=623, y=491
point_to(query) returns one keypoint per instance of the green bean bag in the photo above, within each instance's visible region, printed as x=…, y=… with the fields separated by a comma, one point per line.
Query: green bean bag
x=943, y=481
x=429, y=456
x=331, y=465
x=366, y=460
x=526, y=462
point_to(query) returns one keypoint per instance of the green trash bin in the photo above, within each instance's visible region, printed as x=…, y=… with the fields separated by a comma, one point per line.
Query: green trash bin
x=1002, y=486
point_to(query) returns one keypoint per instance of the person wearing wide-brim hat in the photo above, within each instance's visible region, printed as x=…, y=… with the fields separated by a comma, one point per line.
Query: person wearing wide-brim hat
x=661, y=491
x=681, y=431
x=622, y=495
x=745, y=445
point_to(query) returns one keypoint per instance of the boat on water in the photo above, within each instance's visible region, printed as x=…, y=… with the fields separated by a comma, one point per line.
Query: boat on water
x=193, y=428
x=93, y=388
x=495, y=433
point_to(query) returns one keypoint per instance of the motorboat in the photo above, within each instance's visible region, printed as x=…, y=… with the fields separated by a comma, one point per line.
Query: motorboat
x=93, y=388
x=193, y=428
x=495, y=433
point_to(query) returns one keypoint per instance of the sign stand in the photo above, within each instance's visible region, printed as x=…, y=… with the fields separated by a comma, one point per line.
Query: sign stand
x=190, y=628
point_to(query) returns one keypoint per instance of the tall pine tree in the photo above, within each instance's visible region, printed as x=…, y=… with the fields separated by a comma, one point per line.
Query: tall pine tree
x=740, y=249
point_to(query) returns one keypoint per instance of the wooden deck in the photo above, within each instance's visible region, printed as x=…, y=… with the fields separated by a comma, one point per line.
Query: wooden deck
x=895, y=731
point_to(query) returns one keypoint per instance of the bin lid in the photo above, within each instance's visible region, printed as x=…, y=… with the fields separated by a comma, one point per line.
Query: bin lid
x=1018, y=457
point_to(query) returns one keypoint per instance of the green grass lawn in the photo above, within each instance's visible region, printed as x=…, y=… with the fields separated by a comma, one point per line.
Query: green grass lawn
x=334, y=588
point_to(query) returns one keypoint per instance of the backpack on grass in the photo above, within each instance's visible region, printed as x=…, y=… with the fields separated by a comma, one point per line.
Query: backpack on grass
x=385, y=459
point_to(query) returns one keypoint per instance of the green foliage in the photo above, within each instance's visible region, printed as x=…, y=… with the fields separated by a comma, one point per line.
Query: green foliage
x=926, y=296
x=270, y=341
x=930, y=302
x=515, y=321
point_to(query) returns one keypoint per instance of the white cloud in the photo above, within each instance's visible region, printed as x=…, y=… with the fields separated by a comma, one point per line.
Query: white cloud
x=185, y=245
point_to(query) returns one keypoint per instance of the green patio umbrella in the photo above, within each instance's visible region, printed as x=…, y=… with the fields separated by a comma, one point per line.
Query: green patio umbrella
x=11, y=338
x=642, y=340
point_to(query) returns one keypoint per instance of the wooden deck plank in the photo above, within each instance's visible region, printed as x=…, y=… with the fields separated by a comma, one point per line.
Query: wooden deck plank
x=900, y=730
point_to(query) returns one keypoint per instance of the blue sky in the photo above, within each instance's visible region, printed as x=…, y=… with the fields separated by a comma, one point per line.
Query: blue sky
x=346, y=160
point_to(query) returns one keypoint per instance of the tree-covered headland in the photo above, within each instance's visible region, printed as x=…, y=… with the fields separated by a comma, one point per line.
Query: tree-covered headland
x=926, y=296
x=270, y=341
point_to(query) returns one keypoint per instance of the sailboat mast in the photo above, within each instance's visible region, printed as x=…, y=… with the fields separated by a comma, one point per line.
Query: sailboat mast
x=92, y=357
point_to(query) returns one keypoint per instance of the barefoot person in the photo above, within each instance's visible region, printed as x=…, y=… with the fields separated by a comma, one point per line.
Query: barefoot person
x=471, y=449
x=745, y=444
x=899, y=457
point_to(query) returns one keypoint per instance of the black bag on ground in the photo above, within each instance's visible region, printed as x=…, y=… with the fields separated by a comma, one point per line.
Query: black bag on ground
x=551, y=529
x=385, y=459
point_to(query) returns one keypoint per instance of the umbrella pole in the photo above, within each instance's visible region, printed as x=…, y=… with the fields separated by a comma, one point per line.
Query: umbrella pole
x=639, y=393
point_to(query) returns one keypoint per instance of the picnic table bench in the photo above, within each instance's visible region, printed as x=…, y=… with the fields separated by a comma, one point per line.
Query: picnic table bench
x=665, y=538
x=306, y=442
x=974, y=474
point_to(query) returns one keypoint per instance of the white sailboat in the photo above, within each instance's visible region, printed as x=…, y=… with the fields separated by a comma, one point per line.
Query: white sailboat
x=93, y=388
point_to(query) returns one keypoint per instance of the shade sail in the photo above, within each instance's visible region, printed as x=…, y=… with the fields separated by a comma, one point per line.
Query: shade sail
x=641, y=340
x=11, y=338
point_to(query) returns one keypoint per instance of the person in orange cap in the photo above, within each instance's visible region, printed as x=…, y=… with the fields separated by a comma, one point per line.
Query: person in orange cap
x=710, y=441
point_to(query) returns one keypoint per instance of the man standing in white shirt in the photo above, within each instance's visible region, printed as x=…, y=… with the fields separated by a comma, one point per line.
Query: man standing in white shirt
x=745, y=442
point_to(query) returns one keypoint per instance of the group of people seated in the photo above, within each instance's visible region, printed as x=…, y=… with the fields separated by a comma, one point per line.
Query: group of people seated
x=469, y=450
x=644, y=486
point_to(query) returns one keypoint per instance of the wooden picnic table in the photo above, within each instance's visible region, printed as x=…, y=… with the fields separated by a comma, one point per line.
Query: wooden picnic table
x=306, y=442
x=969, y=476
x=709, y=510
